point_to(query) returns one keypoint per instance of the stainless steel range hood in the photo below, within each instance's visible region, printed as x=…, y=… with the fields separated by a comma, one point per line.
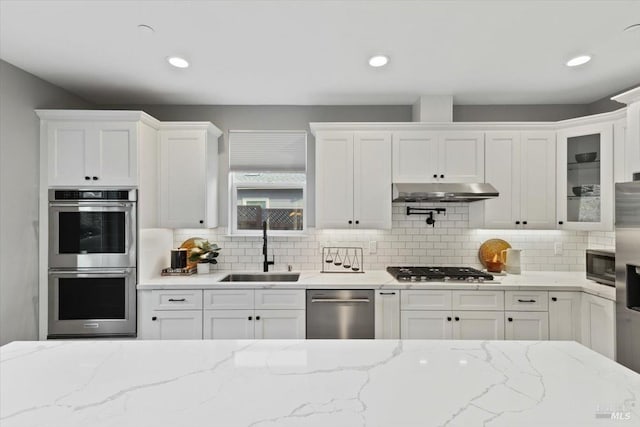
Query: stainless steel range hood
x=443, y=192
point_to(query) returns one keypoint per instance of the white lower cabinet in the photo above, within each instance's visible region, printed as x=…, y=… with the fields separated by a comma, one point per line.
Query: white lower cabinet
x=598, y=324
x=426, y=325
x=564, y=316
x=174, y=325
x=478, y=325
x=526, y=325
x=387, y=312
x=228, y=324
x=222, y=314
x=279, y=324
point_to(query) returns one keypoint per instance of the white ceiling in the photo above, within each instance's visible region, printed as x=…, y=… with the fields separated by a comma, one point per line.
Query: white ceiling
x=315, y=52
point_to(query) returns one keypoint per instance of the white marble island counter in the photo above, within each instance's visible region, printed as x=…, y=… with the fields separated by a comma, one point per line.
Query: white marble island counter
x=313, y=383
x=380, y=279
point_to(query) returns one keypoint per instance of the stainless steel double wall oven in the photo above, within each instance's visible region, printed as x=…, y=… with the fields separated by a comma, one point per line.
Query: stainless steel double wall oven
x=92, y=262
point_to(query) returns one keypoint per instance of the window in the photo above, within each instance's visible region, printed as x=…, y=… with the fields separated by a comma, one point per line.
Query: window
x=267, y=182
x=277, y=198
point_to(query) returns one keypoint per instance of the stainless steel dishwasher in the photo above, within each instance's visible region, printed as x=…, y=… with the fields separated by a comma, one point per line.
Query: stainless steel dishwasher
x=340, y=314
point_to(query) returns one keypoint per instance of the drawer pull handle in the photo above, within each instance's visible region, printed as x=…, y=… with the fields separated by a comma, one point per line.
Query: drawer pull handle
x=177, y=299
x=526, y=300
x=387, y=293
x=338, y=300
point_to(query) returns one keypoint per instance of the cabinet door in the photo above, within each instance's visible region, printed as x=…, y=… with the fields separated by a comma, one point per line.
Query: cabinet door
x=68, y=153
x=280, y=299
x=175, y=325
x=461, y=157
x=538, y=177
x=415, y=157
x=228, y=324
x=478, y=325
x=387, y=312
x=183, y=179
x=425, y=325
x=526, y=325
x=372, y=180
x=502, y=170
x=334, y=180
x=598, y=324
x=280, y=324
x=585, y=178
x=116, y=153
x=411, y=299
x=478, y=300
x=564, y=316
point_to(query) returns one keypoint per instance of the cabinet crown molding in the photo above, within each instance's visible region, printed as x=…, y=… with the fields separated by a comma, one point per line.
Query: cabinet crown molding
x=207, y=126
x=628, y=97
x=99, y=115
x=471, y=126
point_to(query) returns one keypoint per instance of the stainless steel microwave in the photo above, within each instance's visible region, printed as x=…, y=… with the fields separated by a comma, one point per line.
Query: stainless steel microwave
x=601, y=266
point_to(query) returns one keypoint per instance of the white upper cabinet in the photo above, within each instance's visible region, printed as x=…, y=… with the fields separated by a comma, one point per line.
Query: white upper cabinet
x=629, y=142
x=415, y=156
x=585, y=177
x=538, y=178
x=445, y=156
x=91, y=153
x=522, y=167
x=188, y=175
x=461, y=156
x=353, y=180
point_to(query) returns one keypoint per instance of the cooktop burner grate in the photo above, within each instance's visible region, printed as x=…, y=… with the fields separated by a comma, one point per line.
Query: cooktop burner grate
x=423, y=274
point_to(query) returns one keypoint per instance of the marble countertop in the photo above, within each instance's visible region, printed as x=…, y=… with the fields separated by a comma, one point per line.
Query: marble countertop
x=380, y=279
x=313, y=383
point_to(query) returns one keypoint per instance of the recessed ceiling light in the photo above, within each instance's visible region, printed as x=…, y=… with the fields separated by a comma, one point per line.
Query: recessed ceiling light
x=378, y=60
x=178, y=62
x=578, y=60
x=146, y=29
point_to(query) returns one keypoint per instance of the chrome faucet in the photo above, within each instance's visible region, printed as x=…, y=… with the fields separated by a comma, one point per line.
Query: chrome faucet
x=266, y=263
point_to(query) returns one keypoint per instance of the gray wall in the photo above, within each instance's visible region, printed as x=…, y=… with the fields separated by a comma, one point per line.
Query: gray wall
x=231, y=117
x=20, y=94
x=518, y=113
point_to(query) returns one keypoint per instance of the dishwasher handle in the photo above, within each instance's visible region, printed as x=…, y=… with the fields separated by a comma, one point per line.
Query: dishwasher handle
x=338, y=300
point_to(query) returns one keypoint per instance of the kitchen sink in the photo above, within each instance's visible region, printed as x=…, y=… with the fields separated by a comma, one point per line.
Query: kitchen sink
x=262, y=277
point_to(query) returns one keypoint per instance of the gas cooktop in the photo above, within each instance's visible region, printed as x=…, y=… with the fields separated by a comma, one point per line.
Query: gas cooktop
x=425, y=274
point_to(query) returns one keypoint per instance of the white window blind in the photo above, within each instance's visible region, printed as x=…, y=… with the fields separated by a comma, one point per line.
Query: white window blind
x=267, y=151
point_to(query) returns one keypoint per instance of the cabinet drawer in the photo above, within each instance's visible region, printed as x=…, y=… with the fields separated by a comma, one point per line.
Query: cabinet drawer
x=237, y=299
x=425, y=300
x=173, y=299
x=284, y=299
x=526, y=300
x=478, y=300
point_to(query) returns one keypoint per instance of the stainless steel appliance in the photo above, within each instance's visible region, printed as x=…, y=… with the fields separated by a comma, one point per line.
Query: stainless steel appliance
x=426, y=274
x=92, y=228
x=628, y=274
x=92, y=302
x=92, y=263
x=443, y=192
x=601, y=266
x=333, y=314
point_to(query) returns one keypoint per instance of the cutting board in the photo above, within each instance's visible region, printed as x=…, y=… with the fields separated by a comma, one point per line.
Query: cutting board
x=490, y=248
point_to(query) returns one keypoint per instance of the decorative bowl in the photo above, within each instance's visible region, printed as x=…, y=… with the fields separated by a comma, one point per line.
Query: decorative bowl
x=586, y=157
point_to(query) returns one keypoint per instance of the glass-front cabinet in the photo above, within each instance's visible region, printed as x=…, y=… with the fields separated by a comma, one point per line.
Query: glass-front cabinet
x=585, y=178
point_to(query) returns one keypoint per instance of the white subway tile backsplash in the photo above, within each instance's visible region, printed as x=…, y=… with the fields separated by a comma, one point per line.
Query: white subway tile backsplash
x=411, y=241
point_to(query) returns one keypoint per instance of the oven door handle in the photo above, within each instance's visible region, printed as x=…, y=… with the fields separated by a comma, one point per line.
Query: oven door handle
x=339, y=300
x=92, y=272
x=90, y=205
